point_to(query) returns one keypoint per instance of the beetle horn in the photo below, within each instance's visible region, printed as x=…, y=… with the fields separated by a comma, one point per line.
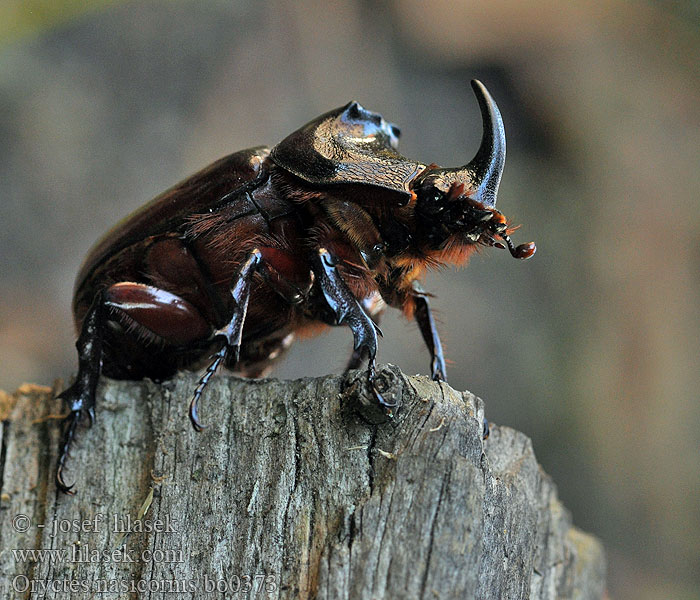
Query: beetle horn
x=482, y=174
x=486, y=168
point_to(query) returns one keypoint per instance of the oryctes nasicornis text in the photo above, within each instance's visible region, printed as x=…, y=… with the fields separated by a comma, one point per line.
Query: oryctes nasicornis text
x=326, y=228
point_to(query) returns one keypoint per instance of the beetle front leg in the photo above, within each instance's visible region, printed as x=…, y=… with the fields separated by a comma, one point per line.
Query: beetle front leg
x=231, y=332
x=426, y=323
x=374, y=306
x=80, y=396
x=348, y=312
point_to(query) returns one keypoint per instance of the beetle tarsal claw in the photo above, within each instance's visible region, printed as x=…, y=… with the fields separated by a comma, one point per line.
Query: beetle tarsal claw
x=438, y=369
x=378, y=396
x=219, y=357
x=486, y=430
x=71, y=423
x=61, y=484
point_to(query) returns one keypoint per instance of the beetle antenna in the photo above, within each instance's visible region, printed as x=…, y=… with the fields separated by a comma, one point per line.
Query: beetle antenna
x=508, y=241
x=523, y=251
x=219, y=357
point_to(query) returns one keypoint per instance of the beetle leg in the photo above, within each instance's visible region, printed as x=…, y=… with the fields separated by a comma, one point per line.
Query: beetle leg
x=231, y=332
x=149, y=313
x=426, y=323
x=348, y=311
x=80, y=396
x=374, y=306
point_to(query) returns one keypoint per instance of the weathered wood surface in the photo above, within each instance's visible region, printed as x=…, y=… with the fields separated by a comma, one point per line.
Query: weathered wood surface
x=296, y=482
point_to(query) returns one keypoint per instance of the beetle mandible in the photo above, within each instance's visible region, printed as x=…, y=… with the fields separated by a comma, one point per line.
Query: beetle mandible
x=326, y=228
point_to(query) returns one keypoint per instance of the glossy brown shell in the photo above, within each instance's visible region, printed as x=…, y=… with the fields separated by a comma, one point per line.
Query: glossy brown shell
x=210, y=188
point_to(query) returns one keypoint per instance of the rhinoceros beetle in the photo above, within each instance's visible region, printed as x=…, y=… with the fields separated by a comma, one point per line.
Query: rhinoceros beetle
x=326, y=228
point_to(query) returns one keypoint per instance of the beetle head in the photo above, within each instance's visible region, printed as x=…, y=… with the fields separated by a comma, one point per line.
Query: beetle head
x=458, y=205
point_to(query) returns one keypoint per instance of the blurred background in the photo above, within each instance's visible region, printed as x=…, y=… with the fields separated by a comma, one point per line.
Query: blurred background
x=590, y=348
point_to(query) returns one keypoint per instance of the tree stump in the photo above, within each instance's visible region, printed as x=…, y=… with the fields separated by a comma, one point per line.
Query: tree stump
x=296, y=489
